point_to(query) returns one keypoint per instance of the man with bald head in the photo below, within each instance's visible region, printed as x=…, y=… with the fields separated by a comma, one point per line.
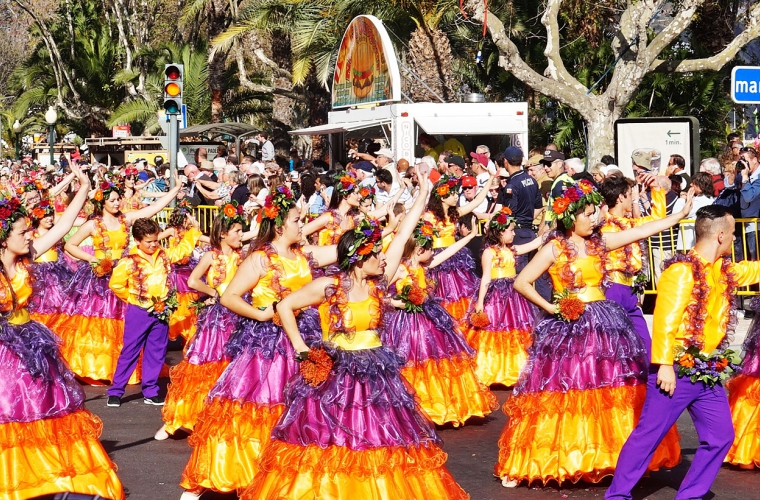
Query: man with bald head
x=693, y=308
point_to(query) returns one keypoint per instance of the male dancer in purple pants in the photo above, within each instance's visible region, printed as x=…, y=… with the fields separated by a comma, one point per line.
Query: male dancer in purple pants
x=692, y=309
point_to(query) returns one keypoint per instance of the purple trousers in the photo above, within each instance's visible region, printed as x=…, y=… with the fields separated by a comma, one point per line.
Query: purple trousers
x=712, y=418
x=625, y=297
x=142, y=332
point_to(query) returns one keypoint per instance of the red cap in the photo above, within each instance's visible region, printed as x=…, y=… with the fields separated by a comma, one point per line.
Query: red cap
x=434, y=176
x=480, y=158
x=469, y=181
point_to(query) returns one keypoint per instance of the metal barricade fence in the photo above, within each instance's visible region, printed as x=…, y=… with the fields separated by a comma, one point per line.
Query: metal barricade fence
x=204, y=214
x=680, y=239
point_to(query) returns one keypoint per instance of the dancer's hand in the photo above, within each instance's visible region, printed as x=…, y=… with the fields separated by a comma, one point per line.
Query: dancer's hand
x=666, y=379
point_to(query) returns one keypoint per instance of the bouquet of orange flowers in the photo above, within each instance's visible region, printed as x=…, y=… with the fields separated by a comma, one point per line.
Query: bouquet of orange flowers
x=316, y=365
x=711, y=369
x=479, y=319
x=102, y=267
x=413, y=296
x=162, y=309
x=569, y=307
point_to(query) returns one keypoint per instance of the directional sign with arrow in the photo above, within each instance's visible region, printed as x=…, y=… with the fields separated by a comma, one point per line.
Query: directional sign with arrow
x=671, y=133
x=649, y=142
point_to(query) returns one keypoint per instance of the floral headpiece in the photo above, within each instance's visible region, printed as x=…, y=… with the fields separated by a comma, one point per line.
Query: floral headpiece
x=11, y=210
x=424, y=233
x=445, y=186
x=43, y=209
x=277, y=206
x=502, y=219
x=575, y=197
x=232, y=213
x=183, y=208
x=104, y=190
x=29, y=184
x=346, y=183
x=368, y=240
x=130, y=170
x=366, y=192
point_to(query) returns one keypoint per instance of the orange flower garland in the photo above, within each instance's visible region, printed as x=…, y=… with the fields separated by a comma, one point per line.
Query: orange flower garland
x=479, y=320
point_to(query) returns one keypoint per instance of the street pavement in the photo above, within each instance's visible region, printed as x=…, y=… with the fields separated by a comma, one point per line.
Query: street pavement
x=152, y=469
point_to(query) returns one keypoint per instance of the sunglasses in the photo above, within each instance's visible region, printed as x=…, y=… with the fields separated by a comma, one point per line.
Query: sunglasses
x=748, y=150
x=468, y=188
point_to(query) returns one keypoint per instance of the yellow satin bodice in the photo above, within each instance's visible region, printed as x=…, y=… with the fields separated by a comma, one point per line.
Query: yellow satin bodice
x=331, y=233
x=21, y=284
x=446, y=231
x=225, y=273
x=295, y=274
x=117, y=244
x=50, y=256
x=588, y=271
x=503, y=265
x=409, y=274
x=358, y=316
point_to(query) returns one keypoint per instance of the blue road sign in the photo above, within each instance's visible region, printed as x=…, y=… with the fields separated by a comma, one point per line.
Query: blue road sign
x=745, y=85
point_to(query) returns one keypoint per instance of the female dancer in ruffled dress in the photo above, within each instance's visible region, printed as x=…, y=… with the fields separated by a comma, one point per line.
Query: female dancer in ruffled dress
x=205, y=359
x=131, y=200
x=455, y=279
x=501, y=320
x=355, y=432
x=440, y=366
x=577, y=398
x=91, y=318
x=341, y=215
x=50, y=274
x=48, y=439
x=743, y=397
x=244, y=405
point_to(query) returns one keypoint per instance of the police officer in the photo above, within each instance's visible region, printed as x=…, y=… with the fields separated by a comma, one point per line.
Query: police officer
x=522, y=196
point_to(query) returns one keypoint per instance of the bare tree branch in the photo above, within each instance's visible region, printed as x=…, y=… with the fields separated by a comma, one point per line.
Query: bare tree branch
x=556, y=69
x=681, y=20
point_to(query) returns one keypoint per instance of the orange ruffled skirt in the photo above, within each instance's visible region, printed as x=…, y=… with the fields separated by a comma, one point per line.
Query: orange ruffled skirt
x=336, y=472
x=183, y=319
x=187, y=391
x=54, y=455
x=500, y=355
x=228, y=440
x=575, y=436
x=744, y=400
x=448, y=390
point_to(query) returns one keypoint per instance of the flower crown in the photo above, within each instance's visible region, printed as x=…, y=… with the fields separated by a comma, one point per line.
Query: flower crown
x=104, y=190
x=28, y=185
x=42, y=210
x=277, y=206
x=575, y=197
x=11, y=210
x=232, y=213
x=366, y=192
x=445, y=186
x=184, y=208
x=346, y=183
x=502, y=219
x=368, y=240
x=130, y=170
x=424, y=233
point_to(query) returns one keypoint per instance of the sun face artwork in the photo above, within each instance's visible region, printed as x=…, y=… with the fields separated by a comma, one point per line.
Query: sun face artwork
x=366, y=70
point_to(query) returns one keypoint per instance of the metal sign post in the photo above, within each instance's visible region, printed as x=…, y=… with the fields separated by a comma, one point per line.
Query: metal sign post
x=173, y=147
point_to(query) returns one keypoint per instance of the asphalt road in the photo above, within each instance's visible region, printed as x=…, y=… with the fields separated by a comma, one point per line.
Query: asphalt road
x=151, y=469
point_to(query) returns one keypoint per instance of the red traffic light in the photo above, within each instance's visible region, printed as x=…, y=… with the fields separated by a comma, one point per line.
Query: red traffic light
x=173, y=73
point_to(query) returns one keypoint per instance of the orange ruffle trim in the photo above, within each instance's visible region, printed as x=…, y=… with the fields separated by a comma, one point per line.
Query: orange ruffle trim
x=500, y=355
x=458, y=309
x=744, y=400
x=183, y=319
x=189, y=386
x=46, y=319
x=56, y=454
x=336, y=472
x=574, y=436
x=449, y=391
x=227, y=442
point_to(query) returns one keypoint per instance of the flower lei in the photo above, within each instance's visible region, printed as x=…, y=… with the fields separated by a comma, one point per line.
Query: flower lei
x=502, y=219
x=218, y=272
x=161, y=307
x=424, y=233
x=718, y=366
x=366, y=192
x=346, y=183
x=42, y=210
x=368, y=241
x=277, y=206
x=575, y=197
x=102, y=241
x=338, y=309
x=641, y=276
x=11, y=210
x=232, y=213
x=446, y=185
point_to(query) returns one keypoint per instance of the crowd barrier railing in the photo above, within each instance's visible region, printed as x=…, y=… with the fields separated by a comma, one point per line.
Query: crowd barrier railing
x=680, y=239
x=204, y=214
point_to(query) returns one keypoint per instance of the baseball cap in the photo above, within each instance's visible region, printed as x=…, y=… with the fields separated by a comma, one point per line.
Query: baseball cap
x=364, y=165
x=642, y=159
x=534, y=161
x=469, y=181
x=550, y=156
x=480, y=158
x=388, y=153
x=513, y=155
x=456, y=160
x=206, y=165
x=230, y=168
x=609, y=169
x=503, y=172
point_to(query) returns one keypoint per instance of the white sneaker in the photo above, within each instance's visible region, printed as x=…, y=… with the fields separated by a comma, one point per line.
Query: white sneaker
x=189, y=495
x=508, y=483
x=161, y=434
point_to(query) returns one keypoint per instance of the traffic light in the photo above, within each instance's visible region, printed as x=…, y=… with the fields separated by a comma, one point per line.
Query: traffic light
x=173, y=74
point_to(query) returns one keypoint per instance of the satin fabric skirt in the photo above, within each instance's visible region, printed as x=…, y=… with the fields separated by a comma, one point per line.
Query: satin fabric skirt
x=455, y=283
x=182, y=322
x=744, y=400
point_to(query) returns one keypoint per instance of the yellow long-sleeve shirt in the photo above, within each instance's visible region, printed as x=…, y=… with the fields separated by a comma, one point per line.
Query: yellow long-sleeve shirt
x=675, y=293
x=154, y=270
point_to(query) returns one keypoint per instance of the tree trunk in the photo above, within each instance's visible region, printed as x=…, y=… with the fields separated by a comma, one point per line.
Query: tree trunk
x=601, y=135
x=217, y=23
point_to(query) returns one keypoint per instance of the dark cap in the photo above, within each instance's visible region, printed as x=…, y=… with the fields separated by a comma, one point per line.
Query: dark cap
x=364, y=165
x=456, y=160
x=551, y=156
x=513, y=155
